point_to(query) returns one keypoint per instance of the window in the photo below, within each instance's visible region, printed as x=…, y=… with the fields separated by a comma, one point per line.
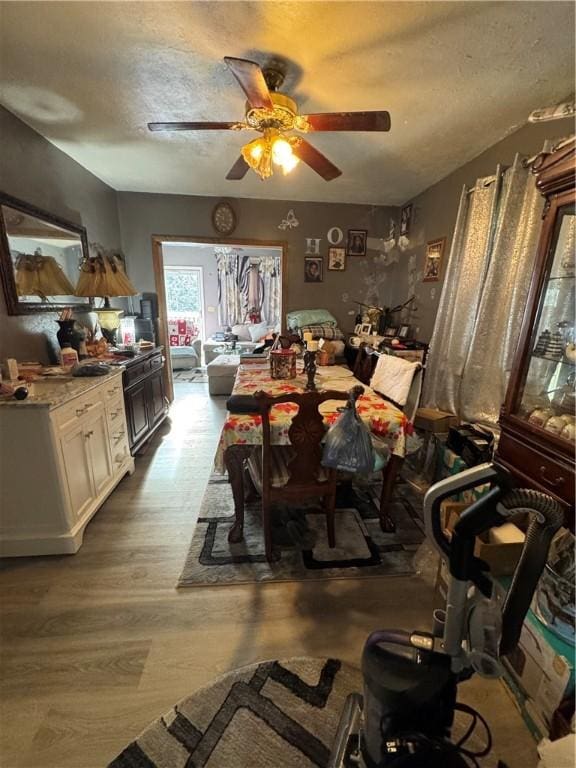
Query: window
x=184, y=295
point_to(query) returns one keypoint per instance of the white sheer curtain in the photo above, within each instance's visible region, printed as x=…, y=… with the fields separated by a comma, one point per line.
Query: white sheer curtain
x=247, y=283
x=484, y=295
x=229, y=297
x=270, y=277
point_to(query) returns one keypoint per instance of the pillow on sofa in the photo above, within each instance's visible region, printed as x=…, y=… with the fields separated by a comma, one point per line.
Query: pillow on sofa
x=322, y=331
x=392, y=378
x=301, y=317
x=258, y=331
x=242, y=331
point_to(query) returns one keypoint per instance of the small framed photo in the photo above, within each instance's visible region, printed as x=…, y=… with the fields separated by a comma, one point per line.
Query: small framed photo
x=433, y=261
x=358, y=329
x=366, y=329
x=392, y=330
x=404, y=332
x=356, y=243
x=313, y=269
x=336, y=259
x=405, y=220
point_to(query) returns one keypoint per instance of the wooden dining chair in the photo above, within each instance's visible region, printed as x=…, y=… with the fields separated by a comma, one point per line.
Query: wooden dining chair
x=294, y=472
x=365, y=363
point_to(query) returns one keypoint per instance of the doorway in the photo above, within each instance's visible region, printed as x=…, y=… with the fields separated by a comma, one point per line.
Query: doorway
x=196, y=281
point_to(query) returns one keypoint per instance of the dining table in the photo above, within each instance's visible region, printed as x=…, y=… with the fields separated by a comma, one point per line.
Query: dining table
x=242, y=432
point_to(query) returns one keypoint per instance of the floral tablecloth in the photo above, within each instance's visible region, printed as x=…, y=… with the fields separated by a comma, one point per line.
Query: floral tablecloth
x=384, y=420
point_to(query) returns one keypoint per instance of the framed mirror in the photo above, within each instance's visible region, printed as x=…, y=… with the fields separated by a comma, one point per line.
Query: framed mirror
x=40, y=255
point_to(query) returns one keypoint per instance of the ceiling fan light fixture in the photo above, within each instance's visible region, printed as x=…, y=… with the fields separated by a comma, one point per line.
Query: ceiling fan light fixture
x=283, y=155
x=267, y=149
x=258, y=155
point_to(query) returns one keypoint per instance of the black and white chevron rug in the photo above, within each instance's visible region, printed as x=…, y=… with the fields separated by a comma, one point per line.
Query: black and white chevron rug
x=300, y=539
x=277, y=714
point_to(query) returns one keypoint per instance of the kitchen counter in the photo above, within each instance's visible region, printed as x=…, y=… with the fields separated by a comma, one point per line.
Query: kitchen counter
x=54, y=391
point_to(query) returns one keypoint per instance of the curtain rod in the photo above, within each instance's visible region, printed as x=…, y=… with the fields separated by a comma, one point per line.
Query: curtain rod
x=563, y=143
x=489, y=180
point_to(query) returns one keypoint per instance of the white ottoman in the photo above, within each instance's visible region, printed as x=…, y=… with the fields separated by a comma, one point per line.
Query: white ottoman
x=221, y=374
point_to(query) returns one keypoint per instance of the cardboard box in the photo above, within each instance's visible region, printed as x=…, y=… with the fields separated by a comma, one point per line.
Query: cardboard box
x=540, y=673
x=501, y=558
x=431, y=420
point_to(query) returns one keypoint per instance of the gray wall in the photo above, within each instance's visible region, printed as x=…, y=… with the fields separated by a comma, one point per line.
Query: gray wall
x=434, y=213
x=143, y=215
x=37, y=172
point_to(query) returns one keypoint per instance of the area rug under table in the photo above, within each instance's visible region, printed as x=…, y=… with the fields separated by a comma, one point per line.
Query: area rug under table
x=300, y=540
x=192, y=376
x=277, y=714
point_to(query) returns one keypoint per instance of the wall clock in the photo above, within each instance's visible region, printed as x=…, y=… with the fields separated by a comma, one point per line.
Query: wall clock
x=224, y=218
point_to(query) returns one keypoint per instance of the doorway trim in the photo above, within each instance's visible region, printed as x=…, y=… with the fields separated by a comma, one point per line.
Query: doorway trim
x=158, y=268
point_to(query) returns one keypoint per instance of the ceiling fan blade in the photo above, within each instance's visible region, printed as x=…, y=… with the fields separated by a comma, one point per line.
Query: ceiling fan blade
x=251, y=79
x=238, y=170
x=316, y=160
x=350, y=121
x=191, y=126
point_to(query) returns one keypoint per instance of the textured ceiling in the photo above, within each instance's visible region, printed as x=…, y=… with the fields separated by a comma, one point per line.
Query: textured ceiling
x=456, y=77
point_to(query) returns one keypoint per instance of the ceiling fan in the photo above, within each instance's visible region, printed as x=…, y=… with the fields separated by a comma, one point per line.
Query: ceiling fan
x=274, y=115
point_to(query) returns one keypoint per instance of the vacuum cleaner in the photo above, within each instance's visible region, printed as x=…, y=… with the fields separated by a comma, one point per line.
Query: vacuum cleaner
x=405, y=715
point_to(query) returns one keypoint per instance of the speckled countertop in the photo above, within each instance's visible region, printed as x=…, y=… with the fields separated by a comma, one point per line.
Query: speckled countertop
x=52, y=392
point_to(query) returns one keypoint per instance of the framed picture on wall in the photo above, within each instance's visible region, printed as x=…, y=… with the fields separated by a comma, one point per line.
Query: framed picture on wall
x=391, y=330
x=404, y=332
x=336, y=259
x=405, y=219
x=358, y=329
x=433, y=261
x=356, y=243
x=313, y=269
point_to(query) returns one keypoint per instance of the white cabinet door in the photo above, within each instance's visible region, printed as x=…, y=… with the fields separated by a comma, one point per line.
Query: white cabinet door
x=96, y=431
x=77, y=469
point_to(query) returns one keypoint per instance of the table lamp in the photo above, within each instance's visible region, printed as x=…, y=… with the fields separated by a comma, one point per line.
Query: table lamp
x=103, y=275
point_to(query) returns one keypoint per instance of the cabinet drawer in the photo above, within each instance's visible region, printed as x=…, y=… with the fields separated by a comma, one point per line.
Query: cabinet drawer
x=156, y=362
x=80, y=407
x=118, y=436
x=537, y=469
x=113, y=390
x=115, y=414
x=120, y=454
x=135, y=371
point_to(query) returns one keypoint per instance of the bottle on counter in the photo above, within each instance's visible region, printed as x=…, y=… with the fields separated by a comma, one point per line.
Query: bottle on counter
x=68, y=356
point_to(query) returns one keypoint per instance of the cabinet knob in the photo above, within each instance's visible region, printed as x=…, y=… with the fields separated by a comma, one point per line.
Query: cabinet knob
x=89, y=434
x=549, y=481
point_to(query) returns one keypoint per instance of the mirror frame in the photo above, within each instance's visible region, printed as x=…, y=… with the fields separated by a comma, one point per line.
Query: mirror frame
x=13, y=305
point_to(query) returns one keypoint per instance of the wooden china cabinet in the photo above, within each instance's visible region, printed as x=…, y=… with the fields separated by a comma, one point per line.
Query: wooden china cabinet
x=538, y=416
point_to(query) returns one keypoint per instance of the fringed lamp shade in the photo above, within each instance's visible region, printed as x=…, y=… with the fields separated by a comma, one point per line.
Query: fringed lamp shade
x=104, y=275
x=38, y=275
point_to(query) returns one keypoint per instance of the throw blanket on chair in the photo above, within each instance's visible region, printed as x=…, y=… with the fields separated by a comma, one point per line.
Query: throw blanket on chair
x=182, y=332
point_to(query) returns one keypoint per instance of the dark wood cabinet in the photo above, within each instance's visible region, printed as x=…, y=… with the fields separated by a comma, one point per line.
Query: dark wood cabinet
x=538, y=416
x=144, y=396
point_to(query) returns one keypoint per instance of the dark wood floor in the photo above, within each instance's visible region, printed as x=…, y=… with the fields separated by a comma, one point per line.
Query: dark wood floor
x=96, y=645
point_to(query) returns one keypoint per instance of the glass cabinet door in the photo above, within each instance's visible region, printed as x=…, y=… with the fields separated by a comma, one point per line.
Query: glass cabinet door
x=547, y=399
